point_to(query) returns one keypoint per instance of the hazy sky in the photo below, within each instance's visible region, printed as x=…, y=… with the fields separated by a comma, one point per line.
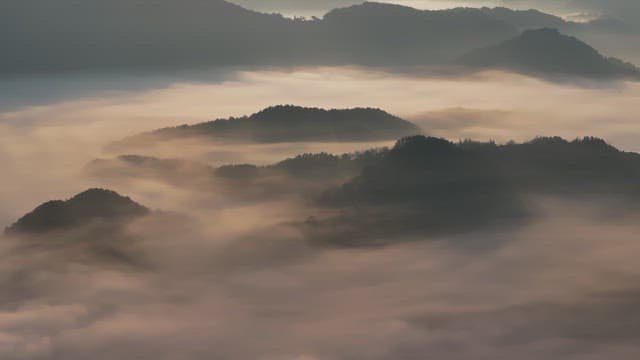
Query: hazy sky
x=628, y=9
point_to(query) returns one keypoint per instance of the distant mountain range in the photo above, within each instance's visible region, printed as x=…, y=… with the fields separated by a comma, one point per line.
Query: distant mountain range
x=547, y=52
x=96, y=34
x=68, y=35
x=287, y=123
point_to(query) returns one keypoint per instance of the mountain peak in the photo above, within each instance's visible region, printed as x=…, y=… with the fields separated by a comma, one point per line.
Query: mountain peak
x=295, y=110
x=291, y=123
x=371, y=8
x=93, y=204
x=548, y=51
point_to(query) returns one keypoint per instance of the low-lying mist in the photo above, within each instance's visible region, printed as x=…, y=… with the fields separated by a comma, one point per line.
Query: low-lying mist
x=241, y=283
x=56, y=140
x=214, y=272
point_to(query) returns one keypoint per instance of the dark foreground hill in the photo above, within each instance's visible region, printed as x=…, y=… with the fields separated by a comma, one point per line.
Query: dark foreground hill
x=82, y=209
x=547, y=52
x=428, y=186
x=290, y=124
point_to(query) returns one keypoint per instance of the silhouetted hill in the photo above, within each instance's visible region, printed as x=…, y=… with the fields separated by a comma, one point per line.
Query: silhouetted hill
x=316, y=166
x=290, y=124
x=548, y=52
x=527, y=19
x=302, y=177
x=534, y=19
x=305, y=175
x=543, y=165
x=427, y=186
x=386, y=34
x=91, y=205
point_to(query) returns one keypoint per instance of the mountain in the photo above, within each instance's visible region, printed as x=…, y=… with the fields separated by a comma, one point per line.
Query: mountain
x=72, y=35
x=428, y=186
x=527, y=19
x=82, y=209
x=287, y=123
x=95, y=35
x=548, y=52
x=305, y=175
x=534, y=19
x=386, y=34
x=422, y=188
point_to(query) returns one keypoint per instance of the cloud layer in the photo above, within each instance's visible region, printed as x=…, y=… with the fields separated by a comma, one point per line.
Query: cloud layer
x=250, y=293
x=228, y=279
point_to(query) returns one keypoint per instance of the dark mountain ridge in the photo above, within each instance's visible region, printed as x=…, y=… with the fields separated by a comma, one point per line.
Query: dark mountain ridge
x=303, y=176
x=288, y=123
x=528, y=19
x=429, y=186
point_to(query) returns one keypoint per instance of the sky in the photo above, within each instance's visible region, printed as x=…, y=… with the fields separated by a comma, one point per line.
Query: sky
x=626, y=9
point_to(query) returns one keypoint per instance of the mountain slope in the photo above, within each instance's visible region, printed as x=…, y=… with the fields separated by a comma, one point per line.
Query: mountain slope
x=548, y=52
x=68, y=35
x=428, y=186
x=527, y=19
x=386, y=34
x=88, y=206
x=303, y=176
x=292, y=124
x=96, y=35
x=128, y=34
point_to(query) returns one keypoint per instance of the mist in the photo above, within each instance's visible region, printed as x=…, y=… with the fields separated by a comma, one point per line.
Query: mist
x=252, y=286
x=46, y=138
x=214, y=272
